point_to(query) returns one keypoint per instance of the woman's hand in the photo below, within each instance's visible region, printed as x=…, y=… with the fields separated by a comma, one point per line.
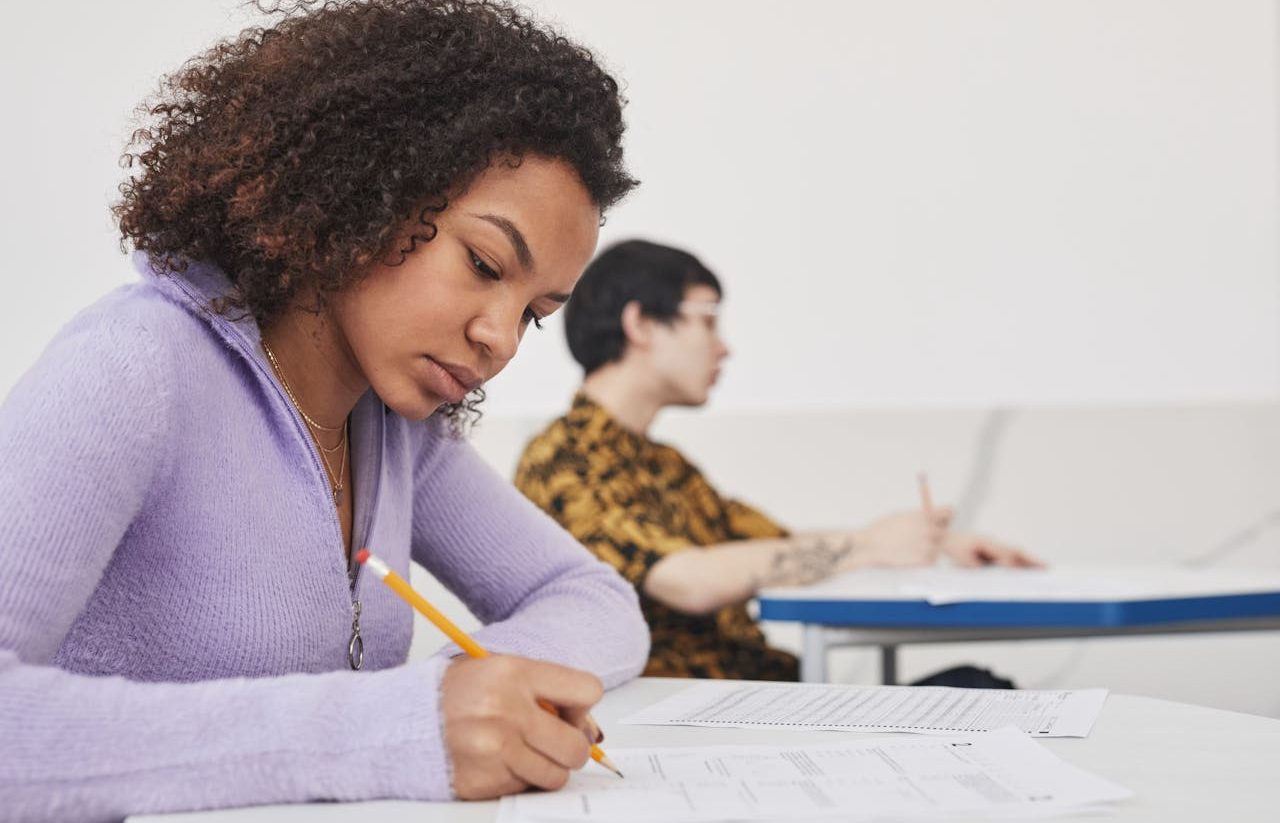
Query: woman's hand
x=909, y=538
x=499, y=739
x=975, y=550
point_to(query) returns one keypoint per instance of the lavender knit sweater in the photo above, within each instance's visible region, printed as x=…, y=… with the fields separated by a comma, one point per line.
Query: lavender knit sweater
x=174, y=602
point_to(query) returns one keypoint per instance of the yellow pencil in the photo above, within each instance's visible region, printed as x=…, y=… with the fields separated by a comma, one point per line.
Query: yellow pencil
x=473, y=649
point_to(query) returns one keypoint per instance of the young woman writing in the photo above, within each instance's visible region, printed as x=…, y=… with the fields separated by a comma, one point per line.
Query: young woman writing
x=344, y=225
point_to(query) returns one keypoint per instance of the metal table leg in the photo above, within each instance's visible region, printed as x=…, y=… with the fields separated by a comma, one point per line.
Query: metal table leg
x=813, y=657
x=889, y=664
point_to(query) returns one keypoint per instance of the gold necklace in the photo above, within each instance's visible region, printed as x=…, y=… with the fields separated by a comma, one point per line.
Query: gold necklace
x=335, y=480
x=331, y=449
x=275, y=364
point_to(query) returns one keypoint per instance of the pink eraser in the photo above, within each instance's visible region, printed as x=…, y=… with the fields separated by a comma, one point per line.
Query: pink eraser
x=362, y=556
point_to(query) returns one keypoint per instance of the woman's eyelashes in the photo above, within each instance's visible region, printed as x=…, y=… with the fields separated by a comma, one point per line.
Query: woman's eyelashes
x=482, y=268
x=489, y=272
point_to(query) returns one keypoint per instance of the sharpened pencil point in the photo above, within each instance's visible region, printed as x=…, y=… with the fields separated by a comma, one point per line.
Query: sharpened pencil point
x=608, y=764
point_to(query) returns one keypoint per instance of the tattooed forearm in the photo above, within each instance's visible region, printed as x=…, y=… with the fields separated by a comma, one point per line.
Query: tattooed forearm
x=807, y=562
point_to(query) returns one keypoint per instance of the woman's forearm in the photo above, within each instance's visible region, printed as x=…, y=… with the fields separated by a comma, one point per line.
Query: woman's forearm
x=94, y=749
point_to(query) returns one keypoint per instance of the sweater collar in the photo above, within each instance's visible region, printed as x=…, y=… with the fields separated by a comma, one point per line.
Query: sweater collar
x=201, y=288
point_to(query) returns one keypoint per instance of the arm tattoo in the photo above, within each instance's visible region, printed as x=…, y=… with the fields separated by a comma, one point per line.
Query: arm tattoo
x=807, y=562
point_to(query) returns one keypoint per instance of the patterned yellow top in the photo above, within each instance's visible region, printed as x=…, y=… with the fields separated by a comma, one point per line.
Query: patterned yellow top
x=632, y=502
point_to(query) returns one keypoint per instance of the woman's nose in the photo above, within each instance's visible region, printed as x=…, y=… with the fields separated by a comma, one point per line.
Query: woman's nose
x=497, y=333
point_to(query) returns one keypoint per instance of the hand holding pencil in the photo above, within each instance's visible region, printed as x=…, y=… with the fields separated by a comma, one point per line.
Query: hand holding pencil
x=969, y=549
x=509, y=722
x=907, y=538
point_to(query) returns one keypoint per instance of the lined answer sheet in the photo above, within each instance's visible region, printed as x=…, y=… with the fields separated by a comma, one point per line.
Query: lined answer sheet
x=919, y=709
x=990, y=776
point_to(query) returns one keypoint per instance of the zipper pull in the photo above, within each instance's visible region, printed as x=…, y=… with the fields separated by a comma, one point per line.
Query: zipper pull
x=355, y=649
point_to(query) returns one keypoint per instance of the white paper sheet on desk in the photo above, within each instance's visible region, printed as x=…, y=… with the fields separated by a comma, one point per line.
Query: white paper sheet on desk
x=1082, y=584
x=999, y=584
x=918, y=709
x=989, y=776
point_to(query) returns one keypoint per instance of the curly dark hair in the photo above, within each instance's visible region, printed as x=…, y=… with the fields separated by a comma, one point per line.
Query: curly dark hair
x=292, y=156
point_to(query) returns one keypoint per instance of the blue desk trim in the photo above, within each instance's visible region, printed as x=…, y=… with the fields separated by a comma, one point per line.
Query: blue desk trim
x=919, y=613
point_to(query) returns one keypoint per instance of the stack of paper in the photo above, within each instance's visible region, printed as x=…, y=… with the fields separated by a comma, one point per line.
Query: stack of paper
x=1001, y=774
x=921, y=709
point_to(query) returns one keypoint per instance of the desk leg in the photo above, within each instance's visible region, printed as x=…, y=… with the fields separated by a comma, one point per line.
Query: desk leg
x=813, y=657
x=889, y=664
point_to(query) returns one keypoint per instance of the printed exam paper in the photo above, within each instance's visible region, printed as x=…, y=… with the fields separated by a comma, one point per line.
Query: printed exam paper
x=919, y=709
x=995, y=775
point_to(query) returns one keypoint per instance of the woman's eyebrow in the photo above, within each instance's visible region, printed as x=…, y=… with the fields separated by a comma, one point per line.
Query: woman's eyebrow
x=513, y=233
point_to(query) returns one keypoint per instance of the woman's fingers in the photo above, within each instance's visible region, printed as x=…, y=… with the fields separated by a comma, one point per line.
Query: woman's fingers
x=480, y=770
x=558, y=740
x=534, y=768
x=582, y=719
x=503, y=726
x=572, y=693
x=565, y=688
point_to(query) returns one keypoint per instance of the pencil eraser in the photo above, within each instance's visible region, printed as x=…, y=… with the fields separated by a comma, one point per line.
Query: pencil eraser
x=362, y=556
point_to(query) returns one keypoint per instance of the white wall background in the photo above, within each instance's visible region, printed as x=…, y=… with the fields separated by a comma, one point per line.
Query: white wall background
x=933, y=202
x=912, y=202
x=920, y=208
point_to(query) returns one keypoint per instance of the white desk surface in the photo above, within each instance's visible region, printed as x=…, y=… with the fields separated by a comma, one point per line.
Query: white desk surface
x=1054, y=584
x=1183, y=762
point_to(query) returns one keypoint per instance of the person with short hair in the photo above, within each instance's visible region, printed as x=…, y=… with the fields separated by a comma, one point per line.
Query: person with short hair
x=643, y=325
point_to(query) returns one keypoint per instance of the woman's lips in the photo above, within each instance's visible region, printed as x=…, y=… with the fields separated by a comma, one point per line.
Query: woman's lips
x=443, y=381
x=463, y=375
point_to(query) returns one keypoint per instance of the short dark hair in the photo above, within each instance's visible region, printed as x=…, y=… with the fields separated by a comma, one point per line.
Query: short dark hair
x=651, y=274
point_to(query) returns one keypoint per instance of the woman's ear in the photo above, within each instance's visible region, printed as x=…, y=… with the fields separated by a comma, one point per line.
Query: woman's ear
x=637, y=328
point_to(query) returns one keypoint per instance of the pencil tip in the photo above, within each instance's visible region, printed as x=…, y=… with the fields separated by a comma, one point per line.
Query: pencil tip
x=608, y=764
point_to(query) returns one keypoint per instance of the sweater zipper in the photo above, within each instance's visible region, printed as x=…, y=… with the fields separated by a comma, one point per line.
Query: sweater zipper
x=355, y=644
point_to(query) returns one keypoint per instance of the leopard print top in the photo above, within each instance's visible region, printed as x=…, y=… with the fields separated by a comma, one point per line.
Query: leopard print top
x=632, y=502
